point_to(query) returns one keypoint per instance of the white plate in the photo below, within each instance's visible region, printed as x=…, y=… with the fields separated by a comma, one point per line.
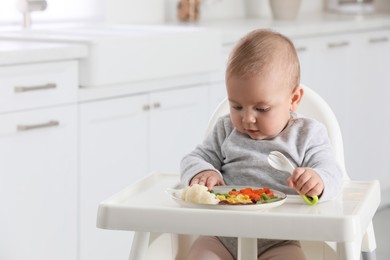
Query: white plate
x=176, y=197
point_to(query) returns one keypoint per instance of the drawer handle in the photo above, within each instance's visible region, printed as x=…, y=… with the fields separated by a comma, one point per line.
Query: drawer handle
x=20, y=89
x=377, y=40
x=51, y=123
x=337, y=45
x=301, y=49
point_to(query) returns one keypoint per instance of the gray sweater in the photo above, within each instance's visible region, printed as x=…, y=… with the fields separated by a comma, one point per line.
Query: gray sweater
x=243, y=161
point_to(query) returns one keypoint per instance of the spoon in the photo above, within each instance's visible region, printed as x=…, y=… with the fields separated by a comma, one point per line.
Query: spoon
x=280, y=162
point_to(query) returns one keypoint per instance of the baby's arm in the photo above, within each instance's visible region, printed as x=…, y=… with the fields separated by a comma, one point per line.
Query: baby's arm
x=208, y=178
x=306, y=181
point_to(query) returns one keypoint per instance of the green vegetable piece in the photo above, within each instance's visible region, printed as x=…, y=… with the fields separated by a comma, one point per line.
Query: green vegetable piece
x=265, y=196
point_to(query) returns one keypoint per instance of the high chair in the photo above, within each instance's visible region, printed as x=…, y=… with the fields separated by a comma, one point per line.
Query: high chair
x=347, y=220
x=314, y=106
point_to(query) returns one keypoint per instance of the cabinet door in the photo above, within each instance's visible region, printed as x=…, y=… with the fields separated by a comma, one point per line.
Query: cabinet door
x=38, y=184
x=217, y=93
x=307, y=51
x=113, y=152
x=177, y=124
x=368, y=143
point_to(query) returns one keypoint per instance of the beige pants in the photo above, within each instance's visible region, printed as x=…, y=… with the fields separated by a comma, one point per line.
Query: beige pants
x=210, y=248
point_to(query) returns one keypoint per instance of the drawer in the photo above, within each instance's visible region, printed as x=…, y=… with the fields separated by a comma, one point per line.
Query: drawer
x=37, y=122
x=38, y=85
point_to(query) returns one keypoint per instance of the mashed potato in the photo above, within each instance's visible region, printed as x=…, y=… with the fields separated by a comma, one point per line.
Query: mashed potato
x=199, y=194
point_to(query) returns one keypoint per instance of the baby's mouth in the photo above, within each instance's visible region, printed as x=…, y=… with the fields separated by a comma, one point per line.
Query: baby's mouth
x=252, y=131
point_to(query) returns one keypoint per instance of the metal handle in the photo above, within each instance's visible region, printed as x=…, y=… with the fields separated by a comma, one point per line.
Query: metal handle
x=149, y=107
x=301, y=49
x=51, y=123
x=338, y=44
x=156, y=105
x=379, y=39
x=20, y=89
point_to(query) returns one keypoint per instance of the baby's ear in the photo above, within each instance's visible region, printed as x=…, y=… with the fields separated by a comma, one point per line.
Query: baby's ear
x=296, y=96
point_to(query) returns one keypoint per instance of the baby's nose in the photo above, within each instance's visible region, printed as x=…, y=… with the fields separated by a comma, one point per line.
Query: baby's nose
x=249, y=118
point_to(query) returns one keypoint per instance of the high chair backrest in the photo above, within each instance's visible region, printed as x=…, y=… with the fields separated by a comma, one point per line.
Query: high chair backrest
x=312, y=105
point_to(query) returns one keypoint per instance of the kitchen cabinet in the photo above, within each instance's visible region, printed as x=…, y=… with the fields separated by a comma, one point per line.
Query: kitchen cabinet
x=121, y=140
x=38, y=184
x=217, y=94
x=178, y=121
x=38, y=161
x=368, y=140
x=326, y=67
x=113, y=153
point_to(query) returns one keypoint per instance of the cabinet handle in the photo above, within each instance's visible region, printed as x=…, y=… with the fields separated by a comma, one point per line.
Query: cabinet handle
x=377, y=40
x=337, y=44
x=20, y=89
x=301, y=49
x=156, y=105
x=51, y=123
x=146, y=107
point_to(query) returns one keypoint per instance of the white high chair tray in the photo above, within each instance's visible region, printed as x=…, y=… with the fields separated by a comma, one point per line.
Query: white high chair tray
x=146, y=207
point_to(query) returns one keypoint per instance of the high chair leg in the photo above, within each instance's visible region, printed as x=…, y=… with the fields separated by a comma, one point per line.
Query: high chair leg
x=369, y=244
x=349, y=250
x=247, y=248
x=181, y=245
x=369, y=255
x=140, y=246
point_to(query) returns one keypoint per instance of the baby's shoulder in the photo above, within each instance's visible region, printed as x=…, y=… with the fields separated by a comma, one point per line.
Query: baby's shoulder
x=306, y=123
x=225, y=124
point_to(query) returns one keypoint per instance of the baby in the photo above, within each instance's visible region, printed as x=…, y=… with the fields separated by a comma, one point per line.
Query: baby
x=263, y=89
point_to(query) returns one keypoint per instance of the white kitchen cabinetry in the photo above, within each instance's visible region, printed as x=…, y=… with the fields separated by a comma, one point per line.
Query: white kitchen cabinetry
x=368, y=141
x=326, y=67
x=217, y=94
x=178, y=121
x=123, y=139
x=113, y=154
x=38, y=162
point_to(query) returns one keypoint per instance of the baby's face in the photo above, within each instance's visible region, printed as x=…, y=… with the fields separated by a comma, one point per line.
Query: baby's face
x=259, y=107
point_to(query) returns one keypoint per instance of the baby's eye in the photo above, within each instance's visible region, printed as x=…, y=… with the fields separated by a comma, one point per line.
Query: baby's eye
x=236, y=107
x=263, y=109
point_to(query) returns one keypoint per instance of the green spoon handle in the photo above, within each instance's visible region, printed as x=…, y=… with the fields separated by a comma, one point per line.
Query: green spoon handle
x=311, y=200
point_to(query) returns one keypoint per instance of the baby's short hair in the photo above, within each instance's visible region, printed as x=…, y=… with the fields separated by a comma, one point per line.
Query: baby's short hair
x=263, y=51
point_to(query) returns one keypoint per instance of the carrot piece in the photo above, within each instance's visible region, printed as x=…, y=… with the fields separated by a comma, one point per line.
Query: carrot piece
x=233, y=192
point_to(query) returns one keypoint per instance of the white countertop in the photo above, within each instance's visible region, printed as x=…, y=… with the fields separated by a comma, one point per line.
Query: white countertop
x=51, y=43
x=306, y=25
x=18, y=52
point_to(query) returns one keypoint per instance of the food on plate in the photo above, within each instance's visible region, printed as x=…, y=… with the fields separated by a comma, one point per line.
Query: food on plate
x=199, y=194
x=247, y=196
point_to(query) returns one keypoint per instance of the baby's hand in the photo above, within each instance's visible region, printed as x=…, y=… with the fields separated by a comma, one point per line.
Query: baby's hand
x=207, y=178
x=306, y=181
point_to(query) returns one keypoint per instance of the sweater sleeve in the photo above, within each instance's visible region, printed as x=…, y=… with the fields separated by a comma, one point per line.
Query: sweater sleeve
x=320, y=157
x=206, y=156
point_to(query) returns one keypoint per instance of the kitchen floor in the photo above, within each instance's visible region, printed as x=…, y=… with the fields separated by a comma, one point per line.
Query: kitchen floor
x=382, y=233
